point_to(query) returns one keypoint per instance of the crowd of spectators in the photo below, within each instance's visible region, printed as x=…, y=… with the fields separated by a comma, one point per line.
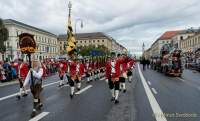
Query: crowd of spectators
x=9, y=70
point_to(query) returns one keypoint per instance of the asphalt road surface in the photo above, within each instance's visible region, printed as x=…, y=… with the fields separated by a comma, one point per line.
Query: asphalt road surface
x=151, y=96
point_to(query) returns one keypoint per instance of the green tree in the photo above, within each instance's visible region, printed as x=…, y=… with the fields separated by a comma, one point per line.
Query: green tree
x=86, y=50
x=3, y=36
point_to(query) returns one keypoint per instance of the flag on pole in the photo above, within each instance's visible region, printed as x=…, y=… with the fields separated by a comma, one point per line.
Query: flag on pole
x=71, y=42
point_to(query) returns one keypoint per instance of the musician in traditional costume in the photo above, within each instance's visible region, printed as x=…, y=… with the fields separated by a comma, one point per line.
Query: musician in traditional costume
x=80, y=72
x=34, y=79
x=130, y=66
x=91, y=66
x=87, y=71
x=123, y=76
x=61, y=71
x=22, y=73
x=112, y=75
x=73, y=74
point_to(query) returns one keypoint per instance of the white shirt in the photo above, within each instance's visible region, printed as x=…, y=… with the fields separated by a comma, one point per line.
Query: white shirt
x=37, y=74
x=113, y=62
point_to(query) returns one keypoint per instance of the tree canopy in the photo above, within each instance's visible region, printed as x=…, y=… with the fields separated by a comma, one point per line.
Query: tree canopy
x=91, y=50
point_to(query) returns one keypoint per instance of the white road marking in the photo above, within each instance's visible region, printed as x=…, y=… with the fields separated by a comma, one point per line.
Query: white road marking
x=154, y=91
x=149, y=82
x=50, y=84
x=84, y=89
x=15, y=94
x=66, y=85
x=181, y=79
x=158, y=113
x=40, y=116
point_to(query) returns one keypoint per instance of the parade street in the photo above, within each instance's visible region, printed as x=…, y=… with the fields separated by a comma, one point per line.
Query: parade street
x=151, y=96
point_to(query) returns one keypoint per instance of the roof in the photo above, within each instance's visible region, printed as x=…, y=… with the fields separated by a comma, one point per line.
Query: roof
x=191, y=30
x=79, y=36
x=11, y=21
x=169, y=35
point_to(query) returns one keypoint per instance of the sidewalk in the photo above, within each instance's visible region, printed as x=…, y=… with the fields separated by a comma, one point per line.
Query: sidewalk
x=8, y=83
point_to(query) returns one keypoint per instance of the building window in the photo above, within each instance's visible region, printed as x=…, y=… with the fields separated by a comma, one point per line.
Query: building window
x=181, y=37
x=89, y=41
x=102, y=40
x=8, y=44
x=80, y=41
x=85, y=41
x=93, y=41
x=17, y=32
x=97, y=40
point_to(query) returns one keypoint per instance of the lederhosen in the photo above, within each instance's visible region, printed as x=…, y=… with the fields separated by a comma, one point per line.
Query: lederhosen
x=36, y=88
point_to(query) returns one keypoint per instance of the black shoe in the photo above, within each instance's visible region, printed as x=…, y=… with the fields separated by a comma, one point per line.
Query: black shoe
x=116, y=101
x=78, y=89
x=33, y=114
x=39, y=106
x=112, y=99
x=24, y=95
x=71, y=96
x=60, y=85
x=124, y=91
x=18, y=97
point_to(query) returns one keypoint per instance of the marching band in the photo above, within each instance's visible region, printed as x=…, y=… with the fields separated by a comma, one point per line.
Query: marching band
x=116, y=69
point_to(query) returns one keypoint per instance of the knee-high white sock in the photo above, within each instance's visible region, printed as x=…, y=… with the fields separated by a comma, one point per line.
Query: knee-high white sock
x=121, y=85
x=112, y=92
x=20, y=91
x=72, y=90
x=88, y=79
x=79, y=85
x=116, y=94
x=124, y=85
x=130, y=78
x=25, y=91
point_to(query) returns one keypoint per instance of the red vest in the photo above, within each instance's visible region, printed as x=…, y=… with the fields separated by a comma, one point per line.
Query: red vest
x=81, y=69
x=23, y=70
x=108, y=69
x=72, y=68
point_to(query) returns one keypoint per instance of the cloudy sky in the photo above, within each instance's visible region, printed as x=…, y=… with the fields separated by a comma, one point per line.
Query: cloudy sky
x=130, y=22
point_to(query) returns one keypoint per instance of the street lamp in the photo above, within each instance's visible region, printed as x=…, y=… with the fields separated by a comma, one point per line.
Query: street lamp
x=70, y=7
x=76, y=22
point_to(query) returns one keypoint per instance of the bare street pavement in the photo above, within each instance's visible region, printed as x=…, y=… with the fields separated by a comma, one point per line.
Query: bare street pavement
x=151, y=96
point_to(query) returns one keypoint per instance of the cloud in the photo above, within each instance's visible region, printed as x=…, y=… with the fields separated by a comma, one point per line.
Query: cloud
x=130, y=22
